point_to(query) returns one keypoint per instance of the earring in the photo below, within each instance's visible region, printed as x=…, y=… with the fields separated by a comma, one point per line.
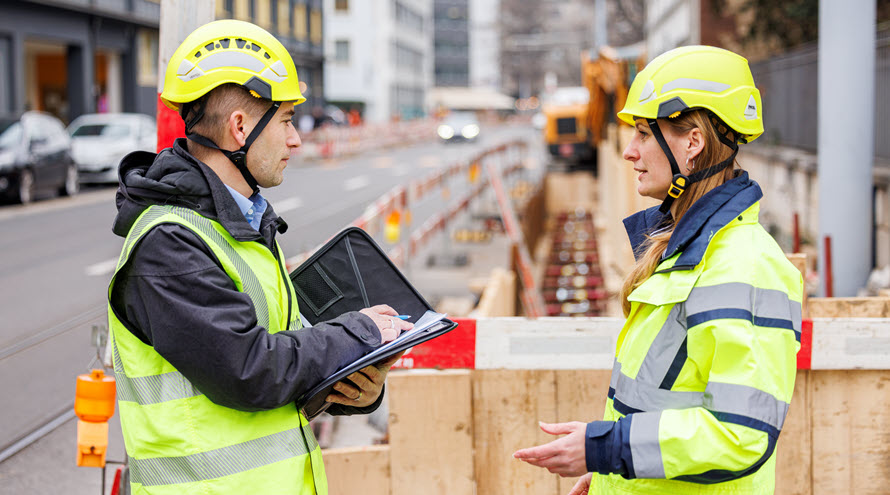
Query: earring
x=686, y=165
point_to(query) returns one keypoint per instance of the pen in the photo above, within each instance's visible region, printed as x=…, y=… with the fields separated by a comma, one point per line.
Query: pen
x=403, y=317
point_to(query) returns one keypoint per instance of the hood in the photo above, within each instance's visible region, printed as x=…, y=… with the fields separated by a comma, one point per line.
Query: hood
x=175, y=177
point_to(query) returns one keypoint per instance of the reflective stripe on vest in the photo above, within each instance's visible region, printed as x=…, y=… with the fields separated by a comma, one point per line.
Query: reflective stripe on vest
x=224, y=461
x=251, y=285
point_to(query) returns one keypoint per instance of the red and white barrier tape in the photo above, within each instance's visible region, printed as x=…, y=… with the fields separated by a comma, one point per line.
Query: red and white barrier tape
x=589, y=343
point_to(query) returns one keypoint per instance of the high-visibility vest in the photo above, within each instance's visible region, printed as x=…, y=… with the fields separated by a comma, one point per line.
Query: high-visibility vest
x=177, y=440
x=705, y=367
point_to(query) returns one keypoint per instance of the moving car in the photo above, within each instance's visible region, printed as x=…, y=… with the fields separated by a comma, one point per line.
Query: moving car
x=100, y=140
x=459, y=126
x=35, y=158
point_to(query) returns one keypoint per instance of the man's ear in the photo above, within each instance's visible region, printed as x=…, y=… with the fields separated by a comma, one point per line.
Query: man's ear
x=695, y=143
x=235, y=127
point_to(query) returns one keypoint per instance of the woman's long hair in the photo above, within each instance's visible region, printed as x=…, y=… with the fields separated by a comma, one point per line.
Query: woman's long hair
x=711, y=154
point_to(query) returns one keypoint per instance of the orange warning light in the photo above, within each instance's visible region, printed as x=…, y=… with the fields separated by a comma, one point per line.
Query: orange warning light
x=391, y=228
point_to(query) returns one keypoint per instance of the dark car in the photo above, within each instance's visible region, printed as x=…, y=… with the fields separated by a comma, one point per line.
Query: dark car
x=35, y=158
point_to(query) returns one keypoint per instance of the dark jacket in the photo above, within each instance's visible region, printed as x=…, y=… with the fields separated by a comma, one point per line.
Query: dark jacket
x=174, y=295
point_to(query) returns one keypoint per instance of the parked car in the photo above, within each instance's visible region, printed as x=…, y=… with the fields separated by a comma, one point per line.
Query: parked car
x=100, y=140
x=35, y=157
x=459, y=126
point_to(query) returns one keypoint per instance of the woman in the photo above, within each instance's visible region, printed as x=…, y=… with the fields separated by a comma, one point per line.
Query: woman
x=705, y=363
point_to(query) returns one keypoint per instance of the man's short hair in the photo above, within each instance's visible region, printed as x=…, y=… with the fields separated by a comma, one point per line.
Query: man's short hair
x=219, y=104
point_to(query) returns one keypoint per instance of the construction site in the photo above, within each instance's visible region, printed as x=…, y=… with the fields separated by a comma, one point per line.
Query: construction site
x=515, y=232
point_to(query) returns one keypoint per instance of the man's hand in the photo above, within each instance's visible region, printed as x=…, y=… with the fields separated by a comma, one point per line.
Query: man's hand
x=385, y=317
x=564, y=456
x=364, y=386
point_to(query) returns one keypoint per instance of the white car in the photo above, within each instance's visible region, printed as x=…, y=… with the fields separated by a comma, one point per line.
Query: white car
x=100, y=140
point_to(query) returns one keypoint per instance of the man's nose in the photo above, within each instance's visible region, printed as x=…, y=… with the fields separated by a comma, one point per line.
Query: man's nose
x=293, y=140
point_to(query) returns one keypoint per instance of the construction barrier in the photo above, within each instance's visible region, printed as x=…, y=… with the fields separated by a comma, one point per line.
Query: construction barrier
x=333, y=141
x=453, y=428
x=395, y=206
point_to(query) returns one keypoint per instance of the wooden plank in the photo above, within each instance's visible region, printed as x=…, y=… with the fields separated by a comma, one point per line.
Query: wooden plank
x=362, y=470
x=580, y=396
x=800, y=262
x=546, y=343
x=851, y=343
x=794, y=452
x=507, y=405
x=430, y=432
x=849, y=307
x=851, y=434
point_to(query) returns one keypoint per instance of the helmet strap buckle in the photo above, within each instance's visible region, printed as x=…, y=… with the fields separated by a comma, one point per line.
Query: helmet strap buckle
x=678, y=185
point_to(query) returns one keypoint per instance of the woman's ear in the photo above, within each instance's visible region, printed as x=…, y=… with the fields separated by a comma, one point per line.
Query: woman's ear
x=695, y=143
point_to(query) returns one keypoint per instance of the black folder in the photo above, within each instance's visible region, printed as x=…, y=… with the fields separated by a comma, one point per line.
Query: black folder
x=348, y=273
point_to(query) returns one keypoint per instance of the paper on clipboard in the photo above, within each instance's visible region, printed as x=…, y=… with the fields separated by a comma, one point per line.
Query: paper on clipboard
x=424, y=324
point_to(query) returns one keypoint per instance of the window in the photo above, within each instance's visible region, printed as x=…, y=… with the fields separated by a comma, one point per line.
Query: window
x=147, y=43
x=223, y=9
x=241, y=10
x=300, y=24
x=263, y=13
x=341, y=51
x=315, y=26
x=407, y=17
x=283, y=16
x=341, y=5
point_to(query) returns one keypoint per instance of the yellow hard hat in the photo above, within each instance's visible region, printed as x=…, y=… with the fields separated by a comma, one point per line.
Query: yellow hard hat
x=230, y=51
x=692, y=77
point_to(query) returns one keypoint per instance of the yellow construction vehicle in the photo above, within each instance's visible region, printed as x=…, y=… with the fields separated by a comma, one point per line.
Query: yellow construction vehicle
x=577, y=117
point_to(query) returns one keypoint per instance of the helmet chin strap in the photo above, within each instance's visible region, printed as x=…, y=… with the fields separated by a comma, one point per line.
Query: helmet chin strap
x=680, y=182
x=238, y=157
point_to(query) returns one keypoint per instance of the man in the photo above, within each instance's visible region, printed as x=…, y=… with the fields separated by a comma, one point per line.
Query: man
x=208, y=348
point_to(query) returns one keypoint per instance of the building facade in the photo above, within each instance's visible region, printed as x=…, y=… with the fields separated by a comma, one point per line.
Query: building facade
x=299, y=25
x=485, y=44
x=379, y=56
x=451, y=39
x=70, y=57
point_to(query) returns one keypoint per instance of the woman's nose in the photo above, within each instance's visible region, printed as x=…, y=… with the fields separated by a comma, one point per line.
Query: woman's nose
x=630, y=152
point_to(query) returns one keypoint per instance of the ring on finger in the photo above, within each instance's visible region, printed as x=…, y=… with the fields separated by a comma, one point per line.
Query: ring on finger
x=359, y=396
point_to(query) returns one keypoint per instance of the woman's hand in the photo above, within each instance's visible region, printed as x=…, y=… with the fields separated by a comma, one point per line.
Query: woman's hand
x=564, y=456
x=385, y=317
x=582, y=486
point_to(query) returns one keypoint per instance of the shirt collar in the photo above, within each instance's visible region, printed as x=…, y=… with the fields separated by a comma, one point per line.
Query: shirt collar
x=252, y=208
x=703, y=219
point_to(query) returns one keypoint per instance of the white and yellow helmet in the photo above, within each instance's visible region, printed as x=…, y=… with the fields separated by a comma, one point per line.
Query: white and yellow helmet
x=230, y=51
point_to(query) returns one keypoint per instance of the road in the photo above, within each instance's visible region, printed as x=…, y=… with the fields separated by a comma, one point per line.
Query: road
x=58, y=256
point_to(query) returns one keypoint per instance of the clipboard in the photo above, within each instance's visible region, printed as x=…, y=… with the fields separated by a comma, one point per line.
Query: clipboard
x=348, y=273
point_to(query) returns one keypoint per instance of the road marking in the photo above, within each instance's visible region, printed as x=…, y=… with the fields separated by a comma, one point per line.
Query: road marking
x=288, y=204
x=356, y=183
x=101, y=268
x=384, y=161
x=429, y=161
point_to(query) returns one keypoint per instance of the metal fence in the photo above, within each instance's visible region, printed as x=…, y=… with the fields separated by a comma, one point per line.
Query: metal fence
x=789, y=88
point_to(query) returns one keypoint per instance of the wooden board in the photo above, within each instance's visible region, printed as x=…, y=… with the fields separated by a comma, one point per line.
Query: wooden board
x=507, y=405
x=431, y=432
x=800, y=262
x=354, y=470
x=849, y=307
x=851, y=432
x=580, y=396
x=794, y=452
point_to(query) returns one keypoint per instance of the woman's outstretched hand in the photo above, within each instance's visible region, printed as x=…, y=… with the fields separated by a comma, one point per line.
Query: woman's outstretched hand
x=564, y=456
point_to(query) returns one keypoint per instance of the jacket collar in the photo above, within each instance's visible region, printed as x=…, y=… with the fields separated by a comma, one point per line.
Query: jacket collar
x=693, y=233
